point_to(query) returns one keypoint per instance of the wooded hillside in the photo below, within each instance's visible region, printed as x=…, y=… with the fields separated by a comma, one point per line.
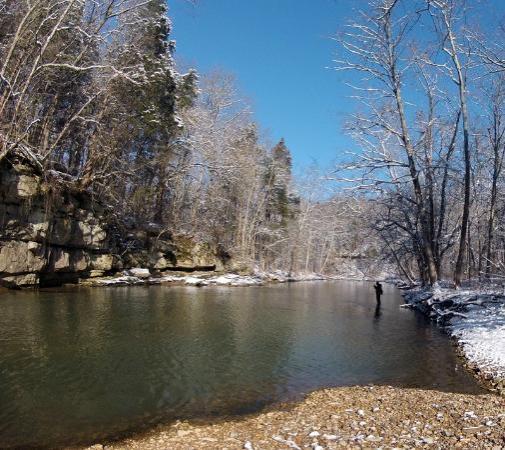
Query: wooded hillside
x=91, y=96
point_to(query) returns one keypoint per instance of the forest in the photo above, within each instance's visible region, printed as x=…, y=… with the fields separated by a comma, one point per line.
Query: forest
x=430, y=128
x=90, y=93
x=176, y=272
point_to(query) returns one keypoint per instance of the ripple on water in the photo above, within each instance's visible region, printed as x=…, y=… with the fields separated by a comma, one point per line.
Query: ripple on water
x=86, y=364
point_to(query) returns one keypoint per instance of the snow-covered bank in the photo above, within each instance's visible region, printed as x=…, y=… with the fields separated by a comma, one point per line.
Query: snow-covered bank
x=476, y=319
x=139, y=276
x=228, y=279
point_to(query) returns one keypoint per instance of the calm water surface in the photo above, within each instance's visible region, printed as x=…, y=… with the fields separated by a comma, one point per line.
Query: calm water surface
x=86, y=364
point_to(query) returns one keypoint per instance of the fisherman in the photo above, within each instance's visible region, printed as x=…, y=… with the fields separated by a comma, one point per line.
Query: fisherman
x=378, y=292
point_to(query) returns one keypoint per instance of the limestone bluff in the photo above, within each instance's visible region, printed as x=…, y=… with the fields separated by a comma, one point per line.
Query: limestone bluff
x=51, y=234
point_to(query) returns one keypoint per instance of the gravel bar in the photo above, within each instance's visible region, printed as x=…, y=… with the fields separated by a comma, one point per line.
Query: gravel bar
x=378, y=417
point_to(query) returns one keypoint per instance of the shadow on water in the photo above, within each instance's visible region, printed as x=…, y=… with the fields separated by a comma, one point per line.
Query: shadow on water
x=377, y=313
x=86, y=364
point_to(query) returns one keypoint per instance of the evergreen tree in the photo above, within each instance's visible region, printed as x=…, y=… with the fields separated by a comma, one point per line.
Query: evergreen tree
x=278, y=185
x=148, y=106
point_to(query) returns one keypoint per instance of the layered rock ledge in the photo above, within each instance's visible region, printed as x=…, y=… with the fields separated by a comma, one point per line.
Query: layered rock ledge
x=51, y=234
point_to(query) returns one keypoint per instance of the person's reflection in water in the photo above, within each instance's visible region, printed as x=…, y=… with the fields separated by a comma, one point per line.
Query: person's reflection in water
x=378, y=292
x=378, y=312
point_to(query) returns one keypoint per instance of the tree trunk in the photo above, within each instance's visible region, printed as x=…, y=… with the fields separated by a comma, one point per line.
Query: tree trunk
x=427, y=249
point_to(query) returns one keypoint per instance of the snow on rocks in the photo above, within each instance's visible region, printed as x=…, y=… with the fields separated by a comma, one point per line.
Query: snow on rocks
x=475, y=318
x=221, y=280
x=139, y=272
x=281, y=276
x=143, y=276
x=481, y=335
x=235, y=280
x=193, y=281
x=118, y=281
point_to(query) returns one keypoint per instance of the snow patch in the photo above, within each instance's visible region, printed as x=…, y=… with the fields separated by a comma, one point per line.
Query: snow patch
x=474, y=316
x=143, y=276
x=482, y=337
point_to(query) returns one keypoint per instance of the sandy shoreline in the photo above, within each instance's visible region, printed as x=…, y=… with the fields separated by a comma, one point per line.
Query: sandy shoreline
x=346, y=417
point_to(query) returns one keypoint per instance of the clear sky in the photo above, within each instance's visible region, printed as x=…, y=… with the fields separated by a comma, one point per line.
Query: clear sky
x=280, y=52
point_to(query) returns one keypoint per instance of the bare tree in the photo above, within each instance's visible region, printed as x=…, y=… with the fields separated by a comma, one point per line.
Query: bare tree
x=377, y=47
x=445, y=16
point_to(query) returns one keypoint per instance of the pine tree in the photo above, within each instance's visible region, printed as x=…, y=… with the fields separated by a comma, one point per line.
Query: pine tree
x=148, y=105
x=278, y=184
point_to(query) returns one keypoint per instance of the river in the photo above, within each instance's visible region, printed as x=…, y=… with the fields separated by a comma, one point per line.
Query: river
x=90, y=363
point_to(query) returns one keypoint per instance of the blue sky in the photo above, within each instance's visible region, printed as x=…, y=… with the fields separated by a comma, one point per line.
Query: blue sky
x=279, y=51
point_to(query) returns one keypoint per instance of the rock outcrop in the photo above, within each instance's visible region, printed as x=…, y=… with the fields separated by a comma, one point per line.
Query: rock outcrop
x=50, y=235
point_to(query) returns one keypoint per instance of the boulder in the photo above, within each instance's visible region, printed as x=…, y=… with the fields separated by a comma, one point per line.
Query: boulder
x=95, y=273
x=20, y=281
x=19, y=257
x=139, y=273
x=103, y=262
x=27, y=186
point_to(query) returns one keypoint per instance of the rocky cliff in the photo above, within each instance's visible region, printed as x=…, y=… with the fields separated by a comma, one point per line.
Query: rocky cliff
x=50, y=235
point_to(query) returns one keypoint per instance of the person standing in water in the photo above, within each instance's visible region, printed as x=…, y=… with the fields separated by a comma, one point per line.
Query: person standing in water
x=378, y=292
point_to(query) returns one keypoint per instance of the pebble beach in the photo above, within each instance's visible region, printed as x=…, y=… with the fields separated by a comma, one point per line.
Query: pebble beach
x=361, y=417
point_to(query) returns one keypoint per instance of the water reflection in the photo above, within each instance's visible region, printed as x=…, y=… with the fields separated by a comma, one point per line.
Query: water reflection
x=377, y=313
x=86, y=363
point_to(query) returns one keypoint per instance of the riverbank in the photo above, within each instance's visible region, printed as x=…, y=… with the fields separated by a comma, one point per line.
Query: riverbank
x=139, y=276
x=475, y=318
x=347, y=417
x=256, y=278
